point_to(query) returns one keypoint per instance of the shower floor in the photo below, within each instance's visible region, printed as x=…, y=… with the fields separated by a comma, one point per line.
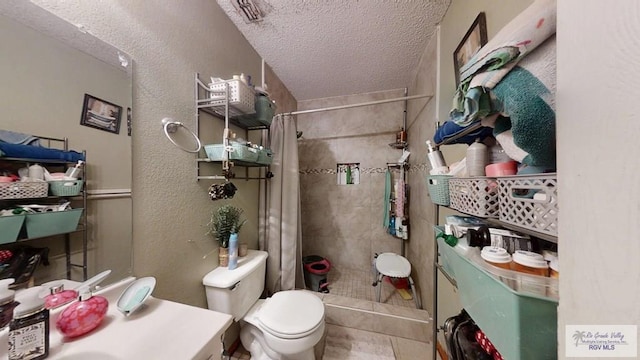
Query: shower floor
x=357, y=284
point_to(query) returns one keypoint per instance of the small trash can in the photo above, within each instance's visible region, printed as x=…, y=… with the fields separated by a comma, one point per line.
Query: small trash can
x=316, y=269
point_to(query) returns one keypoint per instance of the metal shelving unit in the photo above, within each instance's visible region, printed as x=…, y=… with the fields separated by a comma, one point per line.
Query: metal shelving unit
x=208, y=101
x=83, y=226
x=437, y=267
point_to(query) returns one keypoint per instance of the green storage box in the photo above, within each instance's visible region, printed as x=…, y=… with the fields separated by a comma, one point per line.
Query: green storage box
x=215, y=152
x=265, y=109
x=265, y=157
x=10, y=228
x=52, y=223
x=65, y=187
x=438, y=186
x=522, y=326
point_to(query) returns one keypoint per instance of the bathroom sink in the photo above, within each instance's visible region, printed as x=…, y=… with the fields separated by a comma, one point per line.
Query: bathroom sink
x=160, y=329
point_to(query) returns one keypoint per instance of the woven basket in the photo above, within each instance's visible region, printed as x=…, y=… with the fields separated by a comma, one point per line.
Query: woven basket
x=65, y=187
x=438, y=186
x=24, y=190
x=476, y=196
x=241, y=97
x=530, y=202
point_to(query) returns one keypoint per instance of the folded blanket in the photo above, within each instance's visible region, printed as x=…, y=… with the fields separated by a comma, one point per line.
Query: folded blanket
x=496, y=59
x=13, y=137
x=526, y=101
x=36, y=152
x=450, y=129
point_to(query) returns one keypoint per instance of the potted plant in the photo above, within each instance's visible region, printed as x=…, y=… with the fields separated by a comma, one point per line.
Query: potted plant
x=225, y=220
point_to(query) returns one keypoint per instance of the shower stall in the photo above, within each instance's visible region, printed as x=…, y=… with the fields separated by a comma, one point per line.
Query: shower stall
x=346, y=157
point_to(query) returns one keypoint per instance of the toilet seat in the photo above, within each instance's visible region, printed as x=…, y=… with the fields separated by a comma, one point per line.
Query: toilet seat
x=291, y=314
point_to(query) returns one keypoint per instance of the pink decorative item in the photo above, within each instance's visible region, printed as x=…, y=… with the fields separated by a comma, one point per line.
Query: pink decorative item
x=59, y=298
x=501, y=169
x=82, y=316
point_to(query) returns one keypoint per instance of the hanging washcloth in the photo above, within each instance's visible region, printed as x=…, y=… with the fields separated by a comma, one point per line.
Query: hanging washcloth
x=399, y=199
x=387, y=195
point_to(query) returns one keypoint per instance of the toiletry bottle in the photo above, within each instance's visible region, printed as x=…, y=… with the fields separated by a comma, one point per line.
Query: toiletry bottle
x=83, y=315
x=477, y=158
x=36, y=172
x=74, y=172
x=233, y=251
x=7, y=302
x=436, y=160
x=29, y=329
x=349, y=180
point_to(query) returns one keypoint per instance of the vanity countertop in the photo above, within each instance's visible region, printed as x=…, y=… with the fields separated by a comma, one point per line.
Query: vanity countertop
x=159, y=330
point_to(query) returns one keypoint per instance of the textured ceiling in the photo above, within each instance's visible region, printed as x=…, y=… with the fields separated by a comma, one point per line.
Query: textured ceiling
x=323, y=48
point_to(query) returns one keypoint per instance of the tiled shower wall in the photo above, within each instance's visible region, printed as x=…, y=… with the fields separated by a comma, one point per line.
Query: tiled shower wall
x=344, y=222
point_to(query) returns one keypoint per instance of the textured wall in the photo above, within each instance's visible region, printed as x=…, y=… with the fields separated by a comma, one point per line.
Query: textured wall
x=344, y=222
x=169, y=42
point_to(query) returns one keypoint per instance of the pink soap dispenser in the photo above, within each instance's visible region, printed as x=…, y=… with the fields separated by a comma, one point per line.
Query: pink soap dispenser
x=83, y=315
x=57, y=296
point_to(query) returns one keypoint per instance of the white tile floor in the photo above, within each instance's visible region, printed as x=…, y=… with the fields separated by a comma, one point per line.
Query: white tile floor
x=344, y=343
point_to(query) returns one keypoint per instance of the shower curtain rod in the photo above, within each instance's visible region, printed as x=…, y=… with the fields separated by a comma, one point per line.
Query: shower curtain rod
x=356, y=105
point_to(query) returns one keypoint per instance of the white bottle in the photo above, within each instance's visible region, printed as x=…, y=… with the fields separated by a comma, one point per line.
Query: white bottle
x=36, y=172
x=477, y=158
x=436, y=160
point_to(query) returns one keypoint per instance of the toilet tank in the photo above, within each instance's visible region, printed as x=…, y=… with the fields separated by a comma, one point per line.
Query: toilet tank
x=235, y=291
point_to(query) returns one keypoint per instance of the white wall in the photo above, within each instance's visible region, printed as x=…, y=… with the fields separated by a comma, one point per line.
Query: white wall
x=598, y=127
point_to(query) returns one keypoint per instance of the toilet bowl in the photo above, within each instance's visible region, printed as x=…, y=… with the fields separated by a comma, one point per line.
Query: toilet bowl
x=285, y=326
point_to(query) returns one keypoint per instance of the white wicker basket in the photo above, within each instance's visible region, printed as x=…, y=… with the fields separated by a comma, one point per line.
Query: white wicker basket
x=24, y=190
x=241, y=97
x=530, y=202
x=476, y=196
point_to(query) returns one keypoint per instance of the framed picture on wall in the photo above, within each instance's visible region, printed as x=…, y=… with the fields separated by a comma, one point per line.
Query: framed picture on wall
x=473, y=40
x=100, y=114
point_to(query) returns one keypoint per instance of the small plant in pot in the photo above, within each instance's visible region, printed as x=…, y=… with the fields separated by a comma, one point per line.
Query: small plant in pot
x=225, y=220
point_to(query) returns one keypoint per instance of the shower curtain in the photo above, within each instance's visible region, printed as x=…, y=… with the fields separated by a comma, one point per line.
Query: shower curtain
x=281, y=236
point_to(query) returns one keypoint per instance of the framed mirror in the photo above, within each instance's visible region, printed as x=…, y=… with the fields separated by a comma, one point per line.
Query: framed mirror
x=48, y=68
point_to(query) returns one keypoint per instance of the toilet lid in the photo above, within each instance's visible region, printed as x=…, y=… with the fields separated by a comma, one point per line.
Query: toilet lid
x=290, y=314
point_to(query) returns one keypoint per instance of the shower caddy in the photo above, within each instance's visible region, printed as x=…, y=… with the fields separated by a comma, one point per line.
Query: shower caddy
x=233, y=102
x=526, y=327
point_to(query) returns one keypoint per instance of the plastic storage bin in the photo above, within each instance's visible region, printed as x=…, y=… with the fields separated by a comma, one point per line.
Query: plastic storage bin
x=530, y=202
x=24, y=190
x=215, y=152
x=438, y=186
x=522, y=326
x=265, y=109
x=241, y=97
x=52, y=223
x=265, y=157
x=10, y=226
x=474, y=196
x=65, y=187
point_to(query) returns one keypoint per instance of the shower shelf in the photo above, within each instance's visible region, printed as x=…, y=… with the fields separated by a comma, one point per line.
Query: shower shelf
x=208, y=102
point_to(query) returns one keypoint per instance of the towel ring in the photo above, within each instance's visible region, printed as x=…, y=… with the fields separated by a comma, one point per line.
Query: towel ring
x=171, y=126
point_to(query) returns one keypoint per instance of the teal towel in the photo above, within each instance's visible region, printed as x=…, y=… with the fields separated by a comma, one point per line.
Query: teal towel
x=387, y=195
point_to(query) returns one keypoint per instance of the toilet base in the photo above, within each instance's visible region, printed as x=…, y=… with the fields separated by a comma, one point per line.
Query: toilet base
x=253, y=340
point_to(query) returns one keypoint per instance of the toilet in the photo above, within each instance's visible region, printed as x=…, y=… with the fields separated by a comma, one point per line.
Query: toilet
x=285, y=326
